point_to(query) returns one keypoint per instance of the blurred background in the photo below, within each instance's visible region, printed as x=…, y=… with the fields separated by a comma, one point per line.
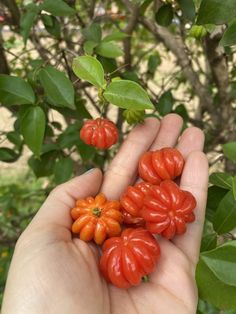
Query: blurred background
x=180, y=51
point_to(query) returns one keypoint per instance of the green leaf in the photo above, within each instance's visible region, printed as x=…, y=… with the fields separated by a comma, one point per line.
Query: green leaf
x=222, y=261
x=57, y=86
x=93, y=33
x=61, y=8
x=108, y=50
x=109, y=65
x=225, y=217
x=234, y=187
x=164, y=15
x=128, y=95
x=28, y=19
x=89, y=47
x=229, y=150
x=63, y=170
x=228, y=38
x=216, y=11
x=131, y=76
x=86, y=152
x=203, y=306
x=215, y=195
x=153, y=62
x=15, y=138
x=43, y=166
x=165, y=103
x=144, y=6
x=49, y=147
x=89, y=69
x=182, y=111
x=69, y=137
x=198, y=31
x=52, y=25
x=214, y=290
x=208, y=242
x=15, y=91
x=82, y=111
x=188, y=8
x=116, y=36
x=33, y=128
x=8, y=155
x=221, y=179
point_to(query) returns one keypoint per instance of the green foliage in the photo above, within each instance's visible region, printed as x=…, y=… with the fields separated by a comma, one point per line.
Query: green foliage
x=216, y=275
x=90, y=69
x=93, y=33
x=229, y=150
x=33, y=128
x=154, y=61
x=116, y=36
x=58, y=88
x=215, y=195
x=134, y=116
x=8, y=155
x=15, y=91
x=52, y=25
x=27, y=20
x=228, y=38
x=63, y=170
x=198, y=31
x=225, y=216
x=60, y=9
x=109, y=50
x=165, y=103
x=20, y=197
x=216, y=11
x=164, y=15
x=188, y=8
x=221, y=179
x=128, y=95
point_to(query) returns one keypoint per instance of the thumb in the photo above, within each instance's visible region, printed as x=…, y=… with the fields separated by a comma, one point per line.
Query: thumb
x=56, y=208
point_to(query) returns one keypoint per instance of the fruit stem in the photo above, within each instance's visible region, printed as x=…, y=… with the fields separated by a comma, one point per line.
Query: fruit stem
x=145, y=278
x=97, y=212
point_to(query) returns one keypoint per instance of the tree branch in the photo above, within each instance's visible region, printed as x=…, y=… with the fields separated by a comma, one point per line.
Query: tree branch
x=4, y=68
x=219, y=69
x=134, y=9
x=177, y=47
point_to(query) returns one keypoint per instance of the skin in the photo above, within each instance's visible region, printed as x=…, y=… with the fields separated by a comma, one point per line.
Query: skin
x=52, y=272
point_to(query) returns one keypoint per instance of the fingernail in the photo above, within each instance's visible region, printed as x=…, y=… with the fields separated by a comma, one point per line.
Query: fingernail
x=90, y=170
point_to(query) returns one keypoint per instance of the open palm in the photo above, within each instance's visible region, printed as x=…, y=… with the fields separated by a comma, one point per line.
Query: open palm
x=51, y=272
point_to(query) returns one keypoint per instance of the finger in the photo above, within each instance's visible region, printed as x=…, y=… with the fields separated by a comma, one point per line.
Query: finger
x=56, y=208
x=123, y=168
x=191, y=140
x=169, y=132
x=195, y=180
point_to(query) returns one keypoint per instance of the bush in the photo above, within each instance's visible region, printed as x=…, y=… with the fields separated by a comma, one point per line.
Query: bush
x=126, y=60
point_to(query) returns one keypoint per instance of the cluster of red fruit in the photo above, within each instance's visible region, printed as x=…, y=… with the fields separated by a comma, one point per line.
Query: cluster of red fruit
x=154, y=206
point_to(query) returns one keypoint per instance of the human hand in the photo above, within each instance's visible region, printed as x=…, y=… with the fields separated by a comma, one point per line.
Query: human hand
x=52, y=272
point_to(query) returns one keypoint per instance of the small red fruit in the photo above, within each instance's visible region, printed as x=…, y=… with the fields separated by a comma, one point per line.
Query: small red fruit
x=167, y=209
x=132, y=221
x=101, y=133
x=126, y=259
x=132, y=202
x=164, y=164
x=132, y=199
